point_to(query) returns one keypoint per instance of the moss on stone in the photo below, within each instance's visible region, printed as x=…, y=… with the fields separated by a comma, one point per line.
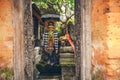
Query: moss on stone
x=6, y=74
x=67, y=64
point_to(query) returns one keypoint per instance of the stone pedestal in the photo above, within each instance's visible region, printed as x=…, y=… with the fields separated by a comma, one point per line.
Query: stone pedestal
x=68, y=73
x=67, y=59
x=67, y=66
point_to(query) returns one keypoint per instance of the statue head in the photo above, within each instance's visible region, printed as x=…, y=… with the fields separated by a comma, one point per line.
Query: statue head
x=50, y=26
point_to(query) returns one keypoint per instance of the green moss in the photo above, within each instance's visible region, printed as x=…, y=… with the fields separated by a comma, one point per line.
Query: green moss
x=99, y=75
x=67, y=64
x=8, y=73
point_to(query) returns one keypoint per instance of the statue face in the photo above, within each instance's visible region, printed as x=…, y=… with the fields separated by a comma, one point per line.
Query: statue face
x=50, y=28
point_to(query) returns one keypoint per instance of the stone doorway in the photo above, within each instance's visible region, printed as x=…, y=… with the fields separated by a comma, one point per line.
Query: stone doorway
x=83, y=38
x=82, y=15
x=23, y=39
x=20, y=36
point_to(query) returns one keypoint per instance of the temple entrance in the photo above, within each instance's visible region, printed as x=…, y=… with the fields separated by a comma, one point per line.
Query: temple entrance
x=25, y=40
x=54, y=48
x=80, y=47
x=24, y=48
x=80, y=58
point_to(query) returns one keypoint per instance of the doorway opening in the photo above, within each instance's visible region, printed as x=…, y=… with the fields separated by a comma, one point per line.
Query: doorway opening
x=55, y=48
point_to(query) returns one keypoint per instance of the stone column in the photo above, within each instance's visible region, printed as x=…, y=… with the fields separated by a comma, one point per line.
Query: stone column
x=28, y=39
x=83, y=39
x=18, y=40
x=67, y=63
x=23, y=40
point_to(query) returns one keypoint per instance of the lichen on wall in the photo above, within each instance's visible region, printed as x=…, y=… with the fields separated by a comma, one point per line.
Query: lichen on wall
x=106, y=37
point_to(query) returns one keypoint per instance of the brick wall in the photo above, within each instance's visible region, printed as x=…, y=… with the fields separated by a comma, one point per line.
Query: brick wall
x=6, y=33
x=106, y=37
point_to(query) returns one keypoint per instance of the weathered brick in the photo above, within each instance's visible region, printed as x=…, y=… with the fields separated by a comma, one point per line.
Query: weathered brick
x=6, y=33
x=106, y=35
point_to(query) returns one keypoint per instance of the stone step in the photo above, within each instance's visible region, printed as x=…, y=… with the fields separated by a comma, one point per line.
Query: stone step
x=49, y=78
x=66, y=49
x=66, y=58
x=67, y=55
